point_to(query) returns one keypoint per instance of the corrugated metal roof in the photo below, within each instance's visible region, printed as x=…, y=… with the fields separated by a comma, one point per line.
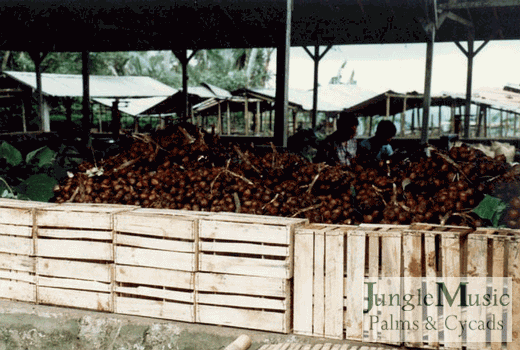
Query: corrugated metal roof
x=134, y=106
x=71, y=85
x=331, y=98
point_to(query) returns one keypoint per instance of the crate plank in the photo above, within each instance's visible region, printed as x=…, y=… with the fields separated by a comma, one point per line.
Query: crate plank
x=244, y=266
x=18, y=290
x=73, y=218
x=17, y=276
x=497, y=283
x=373, y=274
x=154, y=276
x=244, y=301
x=243, y=318
x=76, y=284
x=175, y=295
x=17, y=262
x=514, y=273
x=451, y=270
x=432, y=311
x=75, y=298
x=355, y=285
x=412, y=271
x=153, y=243
x=237, y=284
x=391, y=269
x=74, y=269
x=245, y=232
x=319, y=285
x=335, y=250
x=245, y=248
x=72, y=249
x=16, y=245
x=15, y=230
x=155, y=258
x=258, y=219
x=155, y=308
x=167, y=226
x=476, y=267
x=303, y=282
x=102, y=235
x=16, y=216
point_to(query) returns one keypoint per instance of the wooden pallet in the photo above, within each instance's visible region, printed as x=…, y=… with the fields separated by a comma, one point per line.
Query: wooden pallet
x=245, y=271
x=17, y=262
x=74, y=251
x=155, y=263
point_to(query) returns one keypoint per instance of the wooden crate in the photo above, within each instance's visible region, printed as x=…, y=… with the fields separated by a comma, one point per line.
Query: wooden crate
x=245, y=271
x=17, y=263
x=74, y=250
x=156, y=260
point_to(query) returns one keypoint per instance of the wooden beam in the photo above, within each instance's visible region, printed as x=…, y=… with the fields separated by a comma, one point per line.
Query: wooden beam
x=478, y=4
x=427, y=85
x=87, y=112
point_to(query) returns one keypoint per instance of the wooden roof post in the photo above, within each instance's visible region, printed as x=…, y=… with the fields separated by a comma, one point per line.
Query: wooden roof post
x=38, y=57
x=228, y=118
x=85, y=71
x=403, y=117
x=282, y=80
x=182, y=56
x=430, y=30
x=316, y=57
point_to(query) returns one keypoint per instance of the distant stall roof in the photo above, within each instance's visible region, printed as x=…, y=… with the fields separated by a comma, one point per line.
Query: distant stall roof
x=133, y=106
x=512, y=88
x=394, y=102
x=331, y=98
x=71, y=85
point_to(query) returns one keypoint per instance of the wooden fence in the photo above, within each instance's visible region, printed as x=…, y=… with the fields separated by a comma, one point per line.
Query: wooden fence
x=332, y=263
x=248, y=271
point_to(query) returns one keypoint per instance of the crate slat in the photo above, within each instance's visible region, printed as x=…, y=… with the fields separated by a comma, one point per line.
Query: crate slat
x=373, y=274
x=153, y=243
x=17, y=262
x=74, y=249
x=242, y=318
x=432, y=259
x=154, y=277
x=155, y=308
x=157, y=223
x=476, y=267
x=14, y=230
x=334, y=292
x=16, y=245
x=498, y=251
x=101, y=235
x=76, y=284
x=451, y=270
x=244, y=248
x=245, y=232
x=17, y=276
x=244, y=301
x=355, y=285
x=174, y=295
x=412, y=271
x=319, y=284
x=247, y=285
x=391, y=269
x=155, y=258
x=514, y=273
x=74, y=269
x=303, y=281
x=75, y=298
x=244, y=266
x=18, y=290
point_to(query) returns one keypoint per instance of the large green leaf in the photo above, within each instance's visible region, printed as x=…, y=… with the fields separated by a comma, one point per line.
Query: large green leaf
x=11, y=154
x=492, y=209
x=41, y=157
x=38, y=187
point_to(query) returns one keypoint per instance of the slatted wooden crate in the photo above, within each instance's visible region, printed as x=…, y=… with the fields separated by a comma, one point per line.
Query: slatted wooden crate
x=245, y=271
x=74, y=250
x=17, y=263
x=156, y=260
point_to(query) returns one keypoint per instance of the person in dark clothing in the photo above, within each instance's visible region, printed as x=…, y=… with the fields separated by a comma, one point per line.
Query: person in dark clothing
x=339, y=148
x=378, y=147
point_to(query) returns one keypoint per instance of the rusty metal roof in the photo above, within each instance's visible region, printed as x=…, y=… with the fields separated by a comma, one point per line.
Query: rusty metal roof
x=71, y=85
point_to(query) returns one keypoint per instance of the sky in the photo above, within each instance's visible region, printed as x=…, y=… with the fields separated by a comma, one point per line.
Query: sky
x=401, y=67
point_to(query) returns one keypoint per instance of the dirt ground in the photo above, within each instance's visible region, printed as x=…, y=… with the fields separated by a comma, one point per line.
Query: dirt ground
x=25, y=326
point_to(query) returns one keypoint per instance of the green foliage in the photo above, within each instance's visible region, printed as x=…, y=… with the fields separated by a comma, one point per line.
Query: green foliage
x=35, y=176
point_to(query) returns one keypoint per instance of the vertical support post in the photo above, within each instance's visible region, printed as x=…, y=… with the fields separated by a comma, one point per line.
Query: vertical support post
x=282, y=81
x=469, y=79
x=315, y=86
x=440, y=120
x=515, y=120
x=387, y=106
x=86, y=121
x=246, y=116
x=219, y=121
x=25, y=108
x=484, y=110
x=413, y=121
x=182, y=56
x=502, y=126
x=257, y=118
x=452, y=118
x=370, y=126
x=68, y=113
x=403, y=117
x=427, y=84
x=228, y=117
x=116, y=119
x=38, y=57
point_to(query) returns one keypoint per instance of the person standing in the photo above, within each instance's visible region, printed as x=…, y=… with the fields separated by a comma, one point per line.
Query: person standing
x=339, y=148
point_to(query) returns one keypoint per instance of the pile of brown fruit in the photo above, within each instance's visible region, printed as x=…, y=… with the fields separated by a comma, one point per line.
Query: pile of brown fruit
x=185, y=168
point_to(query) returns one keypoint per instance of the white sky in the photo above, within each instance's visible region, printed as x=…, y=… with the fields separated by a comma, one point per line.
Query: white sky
x=401, y=67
